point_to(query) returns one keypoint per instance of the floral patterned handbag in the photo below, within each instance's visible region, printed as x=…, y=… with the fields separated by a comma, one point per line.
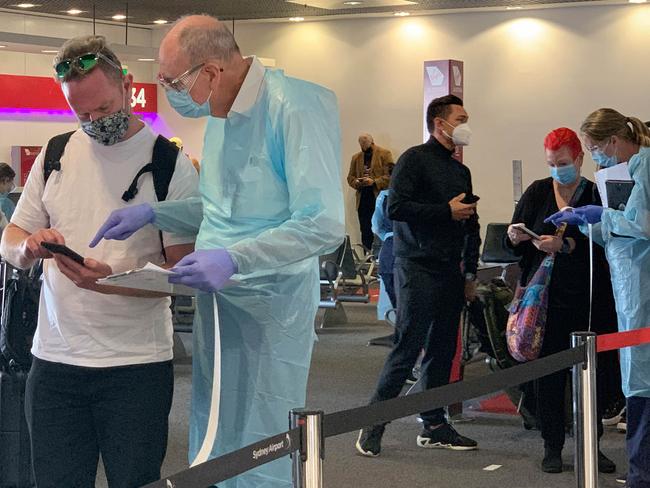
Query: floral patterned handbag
x=527, y=320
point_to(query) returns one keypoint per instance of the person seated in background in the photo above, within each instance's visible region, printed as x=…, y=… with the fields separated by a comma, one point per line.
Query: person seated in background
x=568, y=304
x=7, y=185
x=611, y=137
x=368, y=175
x=382, y=226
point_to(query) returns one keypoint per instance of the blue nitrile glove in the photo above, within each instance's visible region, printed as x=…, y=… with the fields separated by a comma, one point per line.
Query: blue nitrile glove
x=590, y=214
x=123, y=223
x=205, y=269
x=565, y=216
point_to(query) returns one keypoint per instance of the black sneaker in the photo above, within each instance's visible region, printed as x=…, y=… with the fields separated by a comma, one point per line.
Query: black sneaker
x=552, y=462
x=369, y=440
x=622, y=479
x=445, y=437
x=605, y=465
x=613, y=416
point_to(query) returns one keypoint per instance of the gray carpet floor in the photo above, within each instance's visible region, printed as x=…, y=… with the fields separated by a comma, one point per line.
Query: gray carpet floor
x=343, y=374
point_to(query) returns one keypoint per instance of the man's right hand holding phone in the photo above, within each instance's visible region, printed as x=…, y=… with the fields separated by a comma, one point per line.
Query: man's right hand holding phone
x=365, y=181
x=31, y=246
x=460, y=210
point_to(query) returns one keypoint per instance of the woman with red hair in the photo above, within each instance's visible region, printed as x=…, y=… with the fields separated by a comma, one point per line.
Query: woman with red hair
x=568, y=304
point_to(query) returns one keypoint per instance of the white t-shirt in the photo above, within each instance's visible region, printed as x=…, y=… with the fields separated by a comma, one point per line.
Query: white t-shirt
x=82, y=327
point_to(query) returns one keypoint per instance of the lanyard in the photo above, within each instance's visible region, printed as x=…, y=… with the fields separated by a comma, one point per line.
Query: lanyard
x=591, y=273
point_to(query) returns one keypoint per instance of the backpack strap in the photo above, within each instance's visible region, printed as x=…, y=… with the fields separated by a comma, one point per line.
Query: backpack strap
x=53, y=152
x=162, y=166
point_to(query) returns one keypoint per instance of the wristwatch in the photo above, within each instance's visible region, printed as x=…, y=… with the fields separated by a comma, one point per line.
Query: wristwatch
x=566, y=246
x=470, y=276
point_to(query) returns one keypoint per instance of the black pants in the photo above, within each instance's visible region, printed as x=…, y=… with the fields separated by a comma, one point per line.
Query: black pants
x=551, y=389
x=638, y=442
x=365, y=211
x=429, y=302
x=76, y=413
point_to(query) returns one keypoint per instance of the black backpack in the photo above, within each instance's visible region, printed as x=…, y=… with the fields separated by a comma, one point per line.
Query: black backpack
x=22, y=288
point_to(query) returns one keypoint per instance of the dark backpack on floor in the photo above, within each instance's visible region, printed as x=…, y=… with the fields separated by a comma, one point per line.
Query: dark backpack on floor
x=21, y=292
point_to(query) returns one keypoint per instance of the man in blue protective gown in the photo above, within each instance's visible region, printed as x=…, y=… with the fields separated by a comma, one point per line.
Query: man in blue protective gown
x=271, y=202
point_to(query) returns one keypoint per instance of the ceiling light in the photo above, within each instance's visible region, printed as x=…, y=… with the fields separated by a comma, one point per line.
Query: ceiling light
x=49, y=51
x=638, y=1
x=160, y=21
x=26, y=5
x=146, y=59
x=119, y=17
x=401, y=14
x=513, y=7
x=74, y=11
x=2, y=46
x=352, y=3
x=296, y=19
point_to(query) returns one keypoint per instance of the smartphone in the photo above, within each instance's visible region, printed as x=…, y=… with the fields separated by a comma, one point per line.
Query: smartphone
x=526, y=230
x=65, y=250
x=469, y=199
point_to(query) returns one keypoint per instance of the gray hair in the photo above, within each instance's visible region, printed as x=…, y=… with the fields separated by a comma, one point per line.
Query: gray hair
x=203, y=42
x=78, y=46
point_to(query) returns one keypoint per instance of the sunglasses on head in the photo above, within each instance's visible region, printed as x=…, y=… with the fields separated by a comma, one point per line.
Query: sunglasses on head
x=83, y=64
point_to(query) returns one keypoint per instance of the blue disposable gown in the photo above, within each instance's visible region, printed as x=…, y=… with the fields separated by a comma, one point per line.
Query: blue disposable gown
x=271, y=195
x=626, y=236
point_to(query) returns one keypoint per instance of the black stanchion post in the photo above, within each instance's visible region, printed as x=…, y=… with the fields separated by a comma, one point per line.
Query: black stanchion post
x=308, y=461
x=584, y=412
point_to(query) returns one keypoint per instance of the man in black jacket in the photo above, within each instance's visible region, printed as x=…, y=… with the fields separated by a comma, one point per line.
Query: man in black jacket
x=436, y=255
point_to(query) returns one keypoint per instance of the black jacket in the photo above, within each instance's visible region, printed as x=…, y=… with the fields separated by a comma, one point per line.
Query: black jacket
x=425, y=179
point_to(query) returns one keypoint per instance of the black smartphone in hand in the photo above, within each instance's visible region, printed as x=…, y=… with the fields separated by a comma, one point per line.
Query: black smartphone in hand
x=469, y=199
x=55, y=248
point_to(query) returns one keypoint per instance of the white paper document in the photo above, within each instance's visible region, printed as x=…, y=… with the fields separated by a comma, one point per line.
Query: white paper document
x=150, y=277
x=617, y=172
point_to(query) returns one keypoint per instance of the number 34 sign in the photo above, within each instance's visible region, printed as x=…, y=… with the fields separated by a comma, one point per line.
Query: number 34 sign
x=19, y=92
x=144, y=97
x=138, y=98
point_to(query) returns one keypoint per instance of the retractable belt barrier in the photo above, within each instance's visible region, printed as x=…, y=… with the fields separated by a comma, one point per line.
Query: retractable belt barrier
x=234, y=463
x=337, y=423
x=270, y=449
x=619, y=340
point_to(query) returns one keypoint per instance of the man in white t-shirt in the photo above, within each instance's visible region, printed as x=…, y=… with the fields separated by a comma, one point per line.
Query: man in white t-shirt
x=102, y=378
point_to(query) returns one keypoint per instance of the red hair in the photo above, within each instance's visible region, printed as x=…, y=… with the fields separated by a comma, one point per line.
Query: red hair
x=563, y=136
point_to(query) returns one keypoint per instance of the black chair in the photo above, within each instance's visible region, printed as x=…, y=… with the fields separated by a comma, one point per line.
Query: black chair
x=497, y=259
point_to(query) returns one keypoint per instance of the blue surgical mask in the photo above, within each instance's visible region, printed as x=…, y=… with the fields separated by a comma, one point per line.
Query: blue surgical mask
x=564, y=175
x=184, y=104
x=603, y=160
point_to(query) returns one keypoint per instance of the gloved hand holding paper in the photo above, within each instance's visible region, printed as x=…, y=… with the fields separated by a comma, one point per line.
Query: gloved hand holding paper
x=150, y=277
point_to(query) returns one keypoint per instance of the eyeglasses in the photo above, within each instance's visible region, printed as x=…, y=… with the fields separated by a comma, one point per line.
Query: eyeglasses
x=596, y=147
x=180, y=82
x=83, y=64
